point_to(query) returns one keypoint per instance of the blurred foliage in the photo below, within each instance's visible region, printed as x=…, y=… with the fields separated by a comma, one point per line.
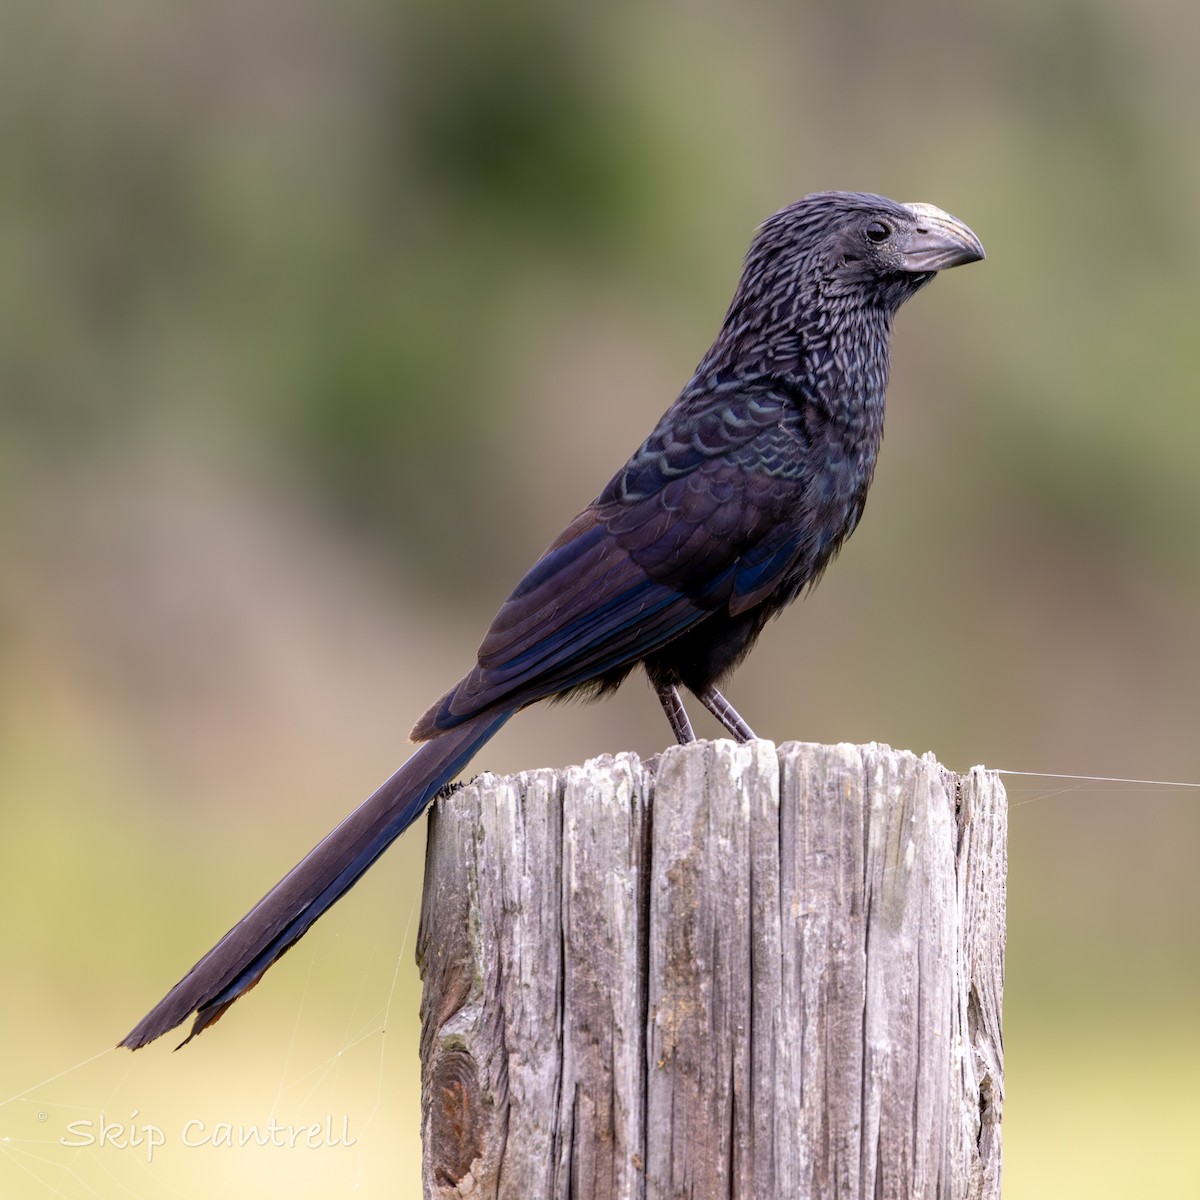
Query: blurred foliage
x=316, y=323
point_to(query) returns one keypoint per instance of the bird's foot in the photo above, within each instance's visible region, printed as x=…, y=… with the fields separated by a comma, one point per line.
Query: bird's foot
x=672, y=702
x=725, y=713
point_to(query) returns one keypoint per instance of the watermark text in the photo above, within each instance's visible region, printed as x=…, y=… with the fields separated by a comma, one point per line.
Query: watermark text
x=146, y=1137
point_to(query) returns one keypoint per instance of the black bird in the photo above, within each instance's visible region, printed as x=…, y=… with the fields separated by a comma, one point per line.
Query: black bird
x=736, y=501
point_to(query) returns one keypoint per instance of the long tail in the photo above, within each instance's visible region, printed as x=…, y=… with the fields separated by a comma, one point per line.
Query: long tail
x=238, y=961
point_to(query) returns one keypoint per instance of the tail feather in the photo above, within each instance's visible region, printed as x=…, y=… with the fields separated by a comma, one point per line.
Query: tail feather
x=238, y=961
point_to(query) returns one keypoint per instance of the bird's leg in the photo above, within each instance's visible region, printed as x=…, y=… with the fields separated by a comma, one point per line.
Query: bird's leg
x=725, y=713
x=681, y=727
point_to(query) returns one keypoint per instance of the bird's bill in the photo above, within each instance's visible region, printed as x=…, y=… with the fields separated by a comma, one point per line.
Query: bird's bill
x=938, y=241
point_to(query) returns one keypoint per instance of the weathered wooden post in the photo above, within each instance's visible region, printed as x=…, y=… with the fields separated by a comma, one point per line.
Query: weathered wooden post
x=741, y=972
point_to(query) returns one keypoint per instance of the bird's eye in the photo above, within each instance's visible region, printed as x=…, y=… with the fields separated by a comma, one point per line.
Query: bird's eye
x=878, y=231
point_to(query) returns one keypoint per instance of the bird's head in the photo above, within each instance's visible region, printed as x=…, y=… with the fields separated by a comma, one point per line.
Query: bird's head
x=873, y=244
x=857, y=244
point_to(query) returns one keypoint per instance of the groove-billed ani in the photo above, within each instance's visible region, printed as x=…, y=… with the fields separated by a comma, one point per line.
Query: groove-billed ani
x=736, y=501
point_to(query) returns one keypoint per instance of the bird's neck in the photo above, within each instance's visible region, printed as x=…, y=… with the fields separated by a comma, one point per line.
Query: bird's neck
x=831, y=343
x=844, y=370
x=839, y=366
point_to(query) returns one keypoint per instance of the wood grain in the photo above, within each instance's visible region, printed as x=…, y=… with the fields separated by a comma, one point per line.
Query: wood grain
x=738, y=971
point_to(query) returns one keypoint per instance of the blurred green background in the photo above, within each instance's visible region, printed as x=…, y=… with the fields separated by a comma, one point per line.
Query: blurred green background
x=317, y=321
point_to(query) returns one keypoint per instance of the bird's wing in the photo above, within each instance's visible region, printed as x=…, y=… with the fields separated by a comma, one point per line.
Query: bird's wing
x=730, y=505
x=690, y=525
x=585, y=608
